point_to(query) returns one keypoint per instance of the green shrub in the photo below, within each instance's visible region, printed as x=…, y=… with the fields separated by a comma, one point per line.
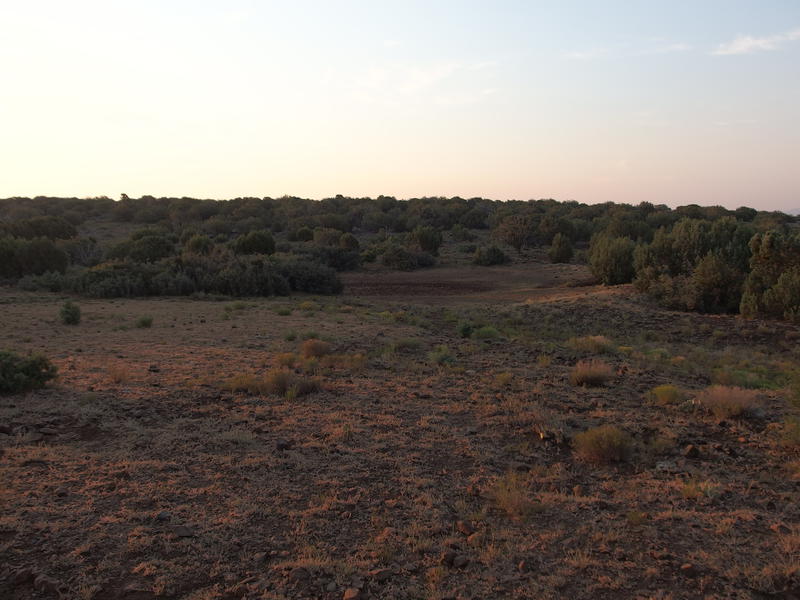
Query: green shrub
x=254, y=242
x=465, y=329
x=144, y=322
x=611, y=259
x=428, y=239
x=397, y=257
x=24, y=373
x=595, y=344
x=70, y=313
x=441, y=355
x=490, y=255
x=561, y=249
x=604, y=444
x=666, y=394
x=487, y=332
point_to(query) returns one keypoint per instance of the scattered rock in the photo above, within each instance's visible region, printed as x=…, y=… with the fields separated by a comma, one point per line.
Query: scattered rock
x=691, y=451
x=183, y=531
x=465, y=527
x=351, y=594
x=460, y=561
x=380, y=574
x=299, y=574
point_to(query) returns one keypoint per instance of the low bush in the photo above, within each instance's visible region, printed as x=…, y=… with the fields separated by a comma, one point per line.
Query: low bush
x=591, y=373
x=24, y=373
x=487, y=332
x=595, y=344
x=314, y=348
x=726, y=402
x=490, y=255
x=280, y=382
x=602, y=445
x=70, y=313
x=441, y=355
x=666, y=394
x=144, y=322
x=510, y=494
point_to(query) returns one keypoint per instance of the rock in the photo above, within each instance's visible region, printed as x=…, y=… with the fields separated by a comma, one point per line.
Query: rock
x=43, y=583
x=780, y=528
x=6, y=430
x=261, y=558
x=331, y=587
x=577, y=491
x=48, y=430
x=691, y=451
x=351, y=594
x=163, y=516
x=688, y=570
x=380, y=574
x=460, y=561
x=666, y=466
x=447, y=558
x=62, y=492
x=299, y=574
x=154, y=368
x=476, y=539
x=282, y=445
x=183, y=531
x=465, y=527
x=22, y=576
x=33, y=437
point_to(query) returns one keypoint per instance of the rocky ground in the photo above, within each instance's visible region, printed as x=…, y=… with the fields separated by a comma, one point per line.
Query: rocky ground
x=433, y=461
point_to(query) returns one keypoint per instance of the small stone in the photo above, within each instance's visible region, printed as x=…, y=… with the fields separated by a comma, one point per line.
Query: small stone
x=351, y=594
x=48, y=430
x=283, y=445
x=780, y=528
x=465, y=527
x=691, y=451
x=380, y=574
x=447, y=558
x=154, y=368
x=476, y=539
x=183, y=531
x=33, y=437
x=163, y=516
x=6, y=430
x=460, y=561
x=577, y=491
x=260, y=558
x=688, y=570
x=43, y=583
x=299, y=574
x=22, y=576
x=331, y=587
x=62, y=492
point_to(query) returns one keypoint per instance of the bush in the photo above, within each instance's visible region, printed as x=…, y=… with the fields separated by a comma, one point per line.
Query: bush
x=441, y=355
x=24, y=373
x=666, y=394
x=400, y=258
x=487, y=332
x=726, y=402
x=592, y=373
x=306, y=276
x=490, y=255
x=315, y=348
x=280, y=382
x=144, y=322
x=602, y=445
x=255, y=242
x=428, y=239
x=199, y=244
x=561, y=249
x=611, y=259
x=347, y=241
x=70, y=313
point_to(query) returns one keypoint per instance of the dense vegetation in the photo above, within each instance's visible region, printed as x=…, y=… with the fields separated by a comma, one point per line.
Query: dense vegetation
x=708, y=259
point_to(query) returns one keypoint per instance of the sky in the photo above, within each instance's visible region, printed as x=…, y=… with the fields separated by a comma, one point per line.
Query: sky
x=673, y=102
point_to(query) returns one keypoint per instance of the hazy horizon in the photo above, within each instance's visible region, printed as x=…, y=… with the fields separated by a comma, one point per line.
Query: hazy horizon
x=672, y=104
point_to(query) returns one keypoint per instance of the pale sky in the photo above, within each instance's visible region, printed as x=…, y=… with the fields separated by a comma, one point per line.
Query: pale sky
x=672, y=102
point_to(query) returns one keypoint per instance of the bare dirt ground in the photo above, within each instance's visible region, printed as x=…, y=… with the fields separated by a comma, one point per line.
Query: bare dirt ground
x=439, y=466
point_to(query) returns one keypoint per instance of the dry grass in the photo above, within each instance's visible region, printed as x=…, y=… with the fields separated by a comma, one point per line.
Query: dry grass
x=591, y=373
x=667, y=394
x=119, y=373
x=349, y=362
x=726, y=402
x=602, y=445
x=594, y=344
x=510, y=494
x=315, y=348
x=281, y=382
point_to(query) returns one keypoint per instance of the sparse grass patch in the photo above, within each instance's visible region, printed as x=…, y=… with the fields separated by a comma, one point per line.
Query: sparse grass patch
x=283, y=311
x=791, y=432
x=349, y=362
x=405, y=346
x=726, y=402
x=544, y=360
x=308, y=306
x=287, y=359
x=144, y=322
x=310, y=335
x=290, y=336
x=603, y=445
x=487, y=332
x=503, y=379
x=666, y=395
x=281, y=382
x=315, y=348
x=591, y=373
x=119, y=373
x=594, y=344
x=441, y=355
x=510, y=494
x=694, y=489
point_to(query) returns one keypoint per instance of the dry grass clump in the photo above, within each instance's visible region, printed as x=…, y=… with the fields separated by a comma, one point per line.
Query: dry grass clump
x=591, y=373
x=314, y=348
x=791, y=432
x=277, y=381
x=349, y=362
x=726, y=402
x=119, y=373
x=287, y=359
x=510, y=494
x=602, y=445
x=595, y=344
x=667, y=394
